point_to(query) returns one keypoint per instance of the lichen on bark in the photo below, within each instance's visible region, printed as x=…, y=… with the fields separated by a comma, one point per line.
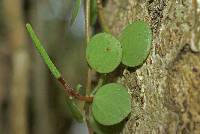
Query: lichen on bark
x=165, y=88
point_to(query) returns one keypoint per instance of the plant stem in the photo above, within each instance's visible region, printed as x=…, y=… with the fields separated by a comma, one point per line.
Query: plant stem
x=43, y=52
x=87, y=20
x=101, y=17
x=56, y=73
x=71, y=92
x=90, y=130
x=89, y=79
x=100, y=82
x=87, y=35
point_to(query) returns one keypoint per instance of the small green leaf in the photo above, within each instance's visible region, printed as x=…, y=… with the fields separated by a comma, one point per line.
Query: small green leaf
x=43, y=52
x=136, y=40
x=101, y=129
x=111, y=104
x=104, y=53
x=74, y=109
x=75, y=11
x=100, y=83
x=78, y=88
x=93, y=12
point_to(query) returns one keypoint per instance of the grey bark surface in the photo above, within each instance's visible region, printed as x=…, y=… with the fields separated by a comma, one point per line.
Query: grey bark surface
x=166, y=88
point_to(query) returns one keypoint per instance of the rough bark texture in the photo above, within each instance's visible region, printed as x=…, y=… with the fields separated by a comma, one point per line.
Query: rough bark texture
x=166, y=88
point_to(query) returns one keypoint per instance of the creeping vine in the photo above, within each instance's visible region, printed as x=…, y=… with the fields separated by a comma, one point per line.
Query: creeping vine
x=108, y=104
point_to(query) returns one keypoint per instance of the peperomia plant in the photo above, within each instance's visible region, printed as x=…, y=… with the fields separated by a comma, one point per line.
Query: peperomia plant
x=136, y=43
x=110, y=103
x=104, y=53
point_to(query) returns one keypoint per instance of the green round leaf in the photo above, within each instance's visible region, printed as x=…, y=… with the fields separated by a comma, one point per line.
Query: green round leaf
x=111, y=104
x=136, y=40
x=104, y=53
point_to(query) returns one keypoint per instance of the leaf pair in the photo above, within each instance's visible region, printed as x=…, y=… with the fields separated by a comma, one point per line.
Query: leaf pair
x=104, y=52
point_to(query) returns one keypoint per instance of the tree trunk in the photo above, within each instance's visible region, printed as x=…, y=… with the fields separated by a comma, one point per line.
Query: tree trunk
x=166, y=88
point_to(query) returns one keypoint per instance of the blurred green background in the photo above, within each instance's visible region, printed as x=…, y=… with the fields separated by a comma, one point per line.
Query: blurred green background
x=31, y=100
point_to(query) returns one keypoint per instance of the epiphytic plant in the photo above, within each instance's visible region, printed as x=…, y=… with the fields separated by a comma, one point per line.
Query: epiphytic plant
x=109, y=103
x=104, y=53
x=136, y=43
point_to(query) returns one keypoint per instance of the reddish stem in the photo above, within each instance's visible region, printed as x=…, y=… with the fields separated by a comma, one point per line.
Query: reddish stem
x=71, y=92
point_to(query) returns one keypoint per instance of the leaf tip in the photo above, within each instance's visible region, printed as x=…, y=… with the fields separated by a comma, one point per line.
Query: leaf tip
x=28, y=25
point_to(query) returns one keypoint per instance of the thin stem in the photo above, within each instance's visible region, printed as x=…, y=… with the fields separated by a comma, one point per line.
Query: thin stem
x=87, y=34
x=90, y=130
x=87, y=20
x=100, y=82
x=101, y=17
x=71, y=92
x=42, y=52
x=56, y=73
x=89, y=79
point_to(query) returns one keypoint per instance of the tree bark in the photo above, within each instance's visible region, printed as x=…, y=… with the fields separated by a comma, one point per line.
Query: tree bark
x=165, y=89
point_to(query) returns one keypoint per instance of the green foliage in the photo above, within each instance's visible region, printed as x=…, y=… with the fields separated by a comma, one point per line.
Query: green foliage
x=78, y=87
x=75, y=11
x=70, y=102
x=74, y=109
x=111, y=104
x=136, y=41
x=43, y=52
x=104, y=53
